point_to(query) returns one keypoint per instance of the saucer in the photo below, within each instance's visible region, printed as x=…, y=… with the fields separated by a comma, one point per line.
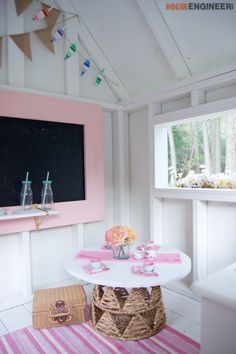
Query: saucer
x=93, y=270
x=142, y=270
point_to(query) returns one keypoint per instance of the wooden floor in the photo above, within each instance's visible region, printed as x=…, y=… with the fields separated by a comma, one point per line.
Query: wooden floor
x=183, y=314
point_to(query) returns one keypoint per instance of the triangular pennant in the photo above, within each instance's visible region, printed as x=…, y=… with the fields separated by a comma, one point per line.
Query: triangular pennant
x=45, y=36
x=51, y=19
x=0, y=51
x=21, y=5
x=23, y=43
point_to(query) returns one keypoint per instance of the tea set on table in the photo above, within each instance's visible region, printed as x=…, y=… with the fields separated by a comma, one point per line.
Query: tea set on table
x=145, y=252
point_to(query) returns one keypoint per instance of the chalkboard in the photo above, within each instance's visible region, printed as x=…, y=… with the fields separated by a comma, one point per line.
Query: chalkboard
x=39, y=146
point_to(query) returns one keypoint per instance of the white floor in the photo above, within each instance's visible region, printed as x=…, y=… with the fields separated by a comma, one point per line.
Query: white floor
x=183, y=314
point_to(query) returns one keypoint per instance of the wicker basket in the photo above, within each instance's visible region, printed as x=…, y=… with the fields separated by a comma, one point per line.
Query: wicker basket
x=59, y=306
x=124, y=315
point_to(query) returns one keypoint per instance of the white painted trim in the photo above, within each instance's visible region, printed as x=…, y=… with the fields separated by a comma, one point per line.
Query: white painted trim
x=208, y=81
x=203, y=111
x=197, y=97
x=161, y=156
x=77, y=237
x=158, y=225
x=151, y=168
x=25, y=263
x=111, y=107
x=207, y=194
x=164, y=37
x=200, y=243
x=121, y=168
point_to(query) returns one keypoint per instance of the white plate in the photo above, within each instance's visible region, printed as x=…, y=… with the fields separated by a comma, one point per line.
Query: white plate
x=142, y=270
x=93, y=270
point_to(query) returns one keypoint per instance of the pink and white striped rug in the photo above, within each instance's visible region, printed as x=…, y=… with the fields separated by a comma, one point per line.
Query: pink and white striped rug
x=82, y=339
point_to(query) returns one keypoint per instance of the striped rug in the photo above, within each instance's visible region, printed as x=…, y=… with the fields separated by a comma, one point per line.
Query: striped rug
x=82, y=339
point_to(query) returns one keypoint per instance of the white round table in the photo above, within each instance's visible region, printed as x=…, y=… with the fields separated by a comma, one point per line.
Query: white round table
x=129, y=314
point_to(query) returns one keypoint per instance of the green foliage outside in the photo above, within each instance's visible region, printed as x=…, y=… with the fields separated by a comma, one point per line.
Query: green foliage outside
x=185, y=140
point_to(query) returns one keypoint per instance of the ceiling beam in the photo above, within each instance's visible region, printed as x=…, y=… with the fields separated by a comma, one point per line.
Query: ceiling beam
x=165, y=38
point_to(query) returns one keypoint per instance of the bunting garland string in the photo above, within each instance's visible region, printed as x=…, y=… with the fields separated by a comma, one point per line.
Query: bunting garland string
x=99, y=71
x=51, y=15
x=44, y=28
x=95, y=67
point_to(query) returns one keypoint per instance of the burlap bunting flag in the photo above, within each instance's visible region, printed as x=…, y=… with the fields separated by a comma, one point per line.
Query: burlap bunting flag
x=51, y=19
x=21, y=5
x=45, y=36
x=23, y=43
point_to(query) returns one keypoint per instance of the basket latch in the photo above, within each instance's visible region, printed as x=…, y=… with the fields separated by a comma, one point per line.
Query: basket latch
x=60, y=313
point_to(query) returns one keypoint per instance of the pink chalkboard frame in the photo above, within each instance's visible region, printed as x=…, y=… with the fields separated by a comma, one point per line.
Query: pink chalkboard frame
x=19, y=104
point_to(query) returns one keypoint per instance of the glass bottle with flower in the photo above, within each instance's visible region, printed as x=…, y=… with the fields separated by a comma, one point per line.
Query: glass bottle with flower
x=120, y=238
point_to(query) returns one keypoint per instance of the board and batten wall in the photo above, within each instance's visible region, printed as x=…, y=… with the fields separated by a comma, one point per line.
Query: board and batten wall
x=49, y=247
x=40, y=262
x=178, y=215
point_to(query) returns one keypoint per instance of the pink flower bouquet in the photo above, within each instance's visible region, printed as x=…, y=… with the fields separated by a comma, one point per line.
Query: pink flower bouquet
x=119, y=235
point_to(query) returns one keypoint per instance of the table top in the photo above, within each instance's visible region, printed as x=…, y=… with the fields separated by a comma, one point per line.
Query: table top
x=120, y=272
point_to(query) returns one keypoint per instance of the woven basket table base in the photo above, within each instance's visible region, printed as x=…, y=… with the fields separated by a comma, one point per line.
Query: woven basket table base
x=124, y=315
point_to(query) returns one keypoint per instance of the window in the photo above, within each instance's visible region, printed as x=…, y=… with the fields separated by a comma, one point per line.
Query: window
x=200, y=153
x=203, y=153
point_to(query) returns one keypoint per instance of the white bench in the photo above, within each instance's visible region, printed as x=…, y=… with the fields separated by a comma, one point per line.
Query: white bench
x=218, y=320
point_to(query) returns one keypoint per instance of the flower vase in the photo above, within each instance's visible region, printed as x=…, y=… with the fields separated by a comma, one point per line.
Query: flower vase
x=121, y=252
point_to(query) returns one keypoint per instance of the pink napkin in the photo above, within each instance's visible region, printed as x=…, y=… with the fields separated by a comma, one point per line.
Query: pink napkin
x=140, y=247
x=136, y=271
x=106, y=255
x=167, y=258
x=88, y=269
x=88, y=254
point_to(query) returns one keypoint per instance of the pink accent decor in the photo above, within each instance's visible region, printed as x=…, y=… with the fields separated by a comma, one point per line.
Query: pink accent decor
x=96, y=260
x=136, y=270
x=33, y=106
x=88, y=269
x=83, y=339
x=148, y=262
x=87, y=254
x=148, y=245
x=106, y=255
x=167, y=258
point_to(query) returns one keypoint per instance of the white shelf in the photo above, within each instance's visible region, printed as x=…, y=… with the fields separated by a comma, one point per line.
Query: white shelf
x=205, y=194
x=27, y=214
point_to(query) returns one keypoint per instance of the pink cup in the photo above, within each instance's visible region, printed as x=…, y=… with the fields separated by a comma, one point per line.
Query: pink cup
x=150, y=252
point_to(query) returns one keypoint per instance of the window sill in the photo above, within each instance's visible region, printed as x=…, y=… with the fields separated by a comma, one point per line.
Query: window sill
x=218, y=195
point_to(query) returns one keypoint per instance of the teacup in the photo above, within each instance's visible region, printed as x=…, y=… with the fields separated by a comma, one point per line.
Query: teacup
x=138, y=255
x=150, y=252
x=148, y=266
x=95, y=263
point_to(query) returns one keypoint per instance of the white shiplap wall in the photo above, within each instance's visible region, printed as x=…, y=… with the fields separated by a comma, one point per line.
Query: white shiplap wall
x=139, y=173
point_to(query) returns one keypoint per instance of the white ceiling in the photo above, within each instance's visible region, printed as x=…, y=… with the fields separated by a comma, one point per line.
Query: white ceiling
x=148, y=47
x=145, y=48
